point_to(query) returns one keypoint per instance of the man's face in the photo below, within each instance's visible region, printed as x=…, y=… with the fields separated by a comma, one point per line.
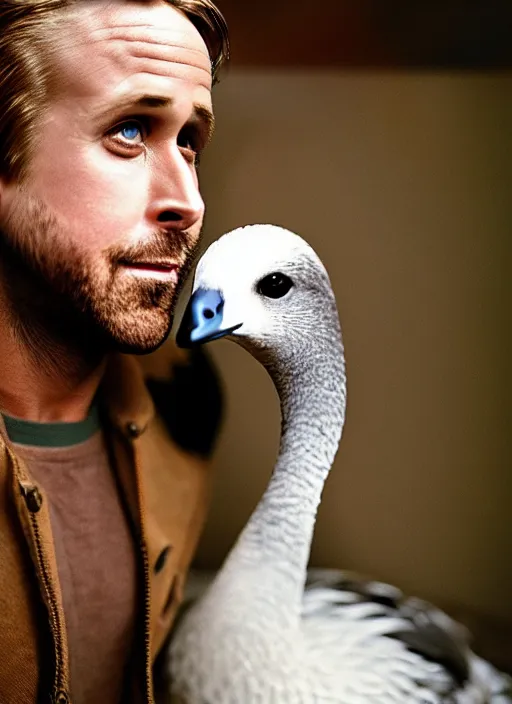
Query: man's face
x=110, y=209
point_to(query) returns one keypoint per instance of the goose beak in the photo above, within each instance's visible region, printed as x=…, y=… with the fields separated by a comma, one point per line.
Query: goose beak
x=202, y=320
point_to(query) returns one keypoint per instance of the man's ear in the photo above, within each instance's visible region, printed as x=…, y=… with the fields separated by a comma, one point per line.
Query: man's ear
x=4, y=190
x=3, y=187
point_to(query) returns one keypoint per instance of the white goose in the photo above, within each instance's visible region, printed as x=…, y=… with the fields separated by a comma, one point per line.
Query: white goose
x=260, y=634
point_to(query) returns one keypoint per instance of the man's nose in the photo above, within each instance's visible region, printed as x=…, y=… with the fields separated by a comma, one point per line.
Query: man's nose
x=176, y=201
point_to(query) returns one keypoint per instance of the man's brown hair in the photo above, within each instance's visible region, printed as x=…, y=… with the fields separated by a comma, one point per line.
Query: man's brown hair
x=24, y=66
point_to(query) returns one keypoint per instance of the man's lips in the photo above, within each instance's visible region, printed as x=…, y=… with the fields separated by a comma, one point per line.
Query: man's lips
x=156, y=269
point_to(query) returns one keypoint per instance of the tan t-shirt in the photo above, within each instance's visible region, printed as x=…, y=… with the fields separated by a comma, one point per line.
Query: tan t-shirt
x=95, y=555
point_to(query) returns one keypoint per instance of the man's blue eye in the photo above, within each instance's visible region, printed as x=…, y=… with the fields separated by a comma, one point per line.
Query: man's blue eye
x=130, y=132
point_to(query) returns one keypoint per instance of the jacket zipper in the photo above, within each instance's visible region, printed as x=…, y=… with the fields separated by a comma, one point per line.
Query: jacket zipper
x=59, y=694
x=147, y=595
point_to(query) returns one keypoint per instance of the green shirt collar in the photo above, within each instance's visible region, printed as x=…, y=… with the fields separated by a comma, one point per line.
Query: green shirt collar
x=26, y=432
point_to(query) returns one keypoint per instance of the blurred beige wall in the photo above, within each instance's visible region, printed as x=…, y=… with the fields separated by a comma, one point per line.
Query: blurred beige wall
x=402, y=182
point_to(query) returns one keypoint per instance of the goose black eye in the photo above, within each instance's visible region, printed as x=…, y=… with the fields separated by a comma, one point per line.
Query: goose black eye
x=274, y=285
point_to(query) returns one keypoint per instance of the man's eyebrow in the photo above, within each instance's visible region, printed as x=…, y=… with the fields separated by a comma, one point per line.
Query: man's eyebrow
x=133, y=102
x=202, y=112
x=205, y=115
x=152, y=101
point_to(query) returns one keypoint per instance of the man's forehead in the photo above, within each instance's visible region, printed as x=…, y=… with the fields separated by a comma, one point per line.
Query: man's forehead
x=119, y=32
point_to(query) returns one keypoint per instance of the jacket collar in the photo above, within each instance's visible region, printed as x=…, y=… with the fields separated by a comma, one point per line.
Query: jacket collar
x=127, y=400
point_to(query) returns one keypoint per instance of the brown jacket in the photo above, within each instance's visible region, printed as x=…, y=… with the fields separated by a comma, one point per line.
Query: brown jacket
x=167, y=491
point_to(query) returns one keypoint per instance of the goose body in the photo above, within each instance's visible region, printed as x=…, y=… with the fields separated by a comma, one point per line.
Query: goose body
x=262, y=632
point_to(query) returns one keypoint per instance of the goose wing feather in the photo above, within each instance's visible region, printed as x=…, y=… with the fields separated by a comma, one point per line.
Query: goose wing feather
x=423, y=642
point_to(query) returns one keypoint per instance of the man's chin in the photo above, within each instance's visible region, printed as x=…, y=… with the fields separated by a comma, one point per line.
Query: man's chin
x=139, y=339
x=138, y=349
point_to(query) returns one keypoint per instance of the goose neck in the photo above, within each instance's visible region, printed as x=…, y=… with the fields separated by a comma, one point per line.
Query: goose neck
x=312, y=396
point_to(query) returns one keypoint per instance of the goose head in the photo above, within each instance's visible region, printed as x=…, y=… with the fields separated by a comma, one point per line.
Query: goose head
x=265, y=288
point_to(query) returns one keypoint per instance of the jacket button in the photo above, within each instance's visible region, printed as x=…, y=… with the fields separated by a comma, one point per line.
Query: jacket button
x=33, y=499
x=133, y=430
x=162, y=559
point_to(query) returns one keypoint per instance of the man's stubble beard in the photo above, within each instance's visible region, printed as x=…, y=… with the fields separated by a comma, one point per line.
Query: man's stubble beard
x=60, y=302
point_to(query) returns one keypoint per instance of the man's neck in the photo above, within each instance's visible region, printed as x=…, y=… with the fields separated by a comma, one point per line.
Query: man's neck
x=40, y=379
x=37, y=395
